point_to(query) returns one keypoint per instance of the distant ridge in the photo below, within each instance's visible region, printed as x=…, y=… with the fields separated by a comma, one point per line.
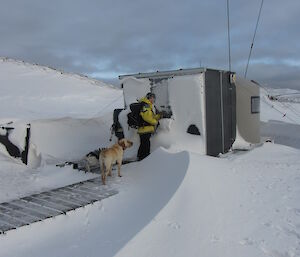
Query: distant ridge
x=62, y=72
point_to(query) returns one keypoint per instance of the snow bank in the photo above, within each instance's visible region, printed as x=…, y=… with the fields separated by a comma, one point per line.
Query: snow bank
x=105, y=227
x=53, y=102
x=238, y=206
x=182, y=205
x=70, y=139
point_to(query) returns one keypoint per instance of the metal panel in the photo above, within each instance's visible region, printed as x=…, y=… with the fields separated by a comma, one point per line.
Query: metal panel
x=213, y=113
x=229, y=111
x=220, y=112
x=166, y=74
x=55, y=202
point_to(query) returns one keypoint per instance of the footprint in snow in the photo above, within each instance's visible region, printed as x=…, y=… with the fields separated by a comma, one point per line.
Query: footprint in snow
x=215, y=239
x=174, y=225
x=247, y=241
x=291, y=232
x=297, y=211
x=268, y=224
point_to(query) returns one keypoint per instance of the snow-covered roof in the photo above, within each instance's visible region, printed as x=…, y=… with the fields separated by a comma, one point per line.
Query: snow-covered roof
x=166, y=74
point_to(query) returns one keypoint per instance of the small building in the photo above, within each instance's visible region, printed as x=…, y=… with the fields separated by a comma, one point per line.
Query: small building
x=206, y=103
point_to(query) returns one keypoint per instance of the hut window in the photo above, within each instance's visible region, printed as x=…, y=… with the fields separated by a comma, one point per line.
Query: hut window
x=255, y=104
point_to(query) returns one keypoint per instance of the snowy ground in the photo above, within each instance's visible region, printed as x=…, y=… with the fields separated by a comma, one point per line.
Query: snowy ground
x=280, y=119
x=171, y=204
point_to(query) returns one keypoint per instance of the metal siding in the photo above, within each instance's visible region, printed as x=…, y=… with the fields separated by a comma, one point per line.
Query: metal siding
x=220, y=112
x=165, y=74
x=229, y=109
x=213, y=113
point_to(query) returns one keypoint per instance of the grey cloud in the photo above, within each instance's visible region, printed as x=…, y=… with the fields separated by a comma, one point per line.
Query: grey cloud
x=117, y=37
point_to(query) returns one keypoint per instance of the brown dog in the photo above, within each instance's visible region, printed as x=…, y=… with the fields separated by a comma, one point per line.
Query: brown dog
x=112, y=155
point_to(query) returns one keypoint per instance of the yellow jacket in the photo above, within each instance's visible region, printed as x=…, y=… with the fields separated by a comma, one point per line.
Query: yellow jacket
x=148, y=116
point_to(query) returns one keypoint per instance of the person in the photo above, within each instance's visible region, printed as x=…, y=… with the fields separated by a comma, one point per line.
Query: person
x=147, y=128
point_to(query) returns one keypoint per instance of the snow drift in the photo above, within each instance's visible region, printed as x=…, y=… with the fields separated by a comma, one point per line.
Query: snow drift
x=69, y=114
x=175, y=202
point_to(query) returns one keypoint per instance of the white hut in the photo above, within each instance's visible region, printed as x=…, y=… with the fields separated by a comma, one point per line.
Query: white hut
x=207, y=106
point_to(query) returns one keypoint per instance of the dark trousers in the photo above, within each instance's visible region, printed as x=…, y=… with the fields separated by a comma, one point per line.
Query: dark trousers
x=144, y=149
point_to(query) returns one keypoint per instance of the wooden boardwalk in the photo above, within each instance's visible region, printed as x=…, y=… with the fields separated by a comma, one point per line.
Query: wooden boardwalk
x=38, y=207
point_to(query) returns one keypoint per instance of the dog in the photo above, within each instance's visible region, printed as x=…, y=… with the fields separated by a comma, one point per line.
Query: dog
x=92, y=160
x=112, y=155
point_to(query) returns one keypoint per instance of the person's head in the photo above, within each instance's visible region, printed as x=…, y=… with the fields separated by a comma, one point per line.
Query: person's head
x=151, y=97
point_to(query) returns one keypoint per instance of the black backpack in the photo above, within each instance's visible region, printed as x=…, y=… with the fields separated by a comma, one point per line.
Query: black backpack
x=134, y=118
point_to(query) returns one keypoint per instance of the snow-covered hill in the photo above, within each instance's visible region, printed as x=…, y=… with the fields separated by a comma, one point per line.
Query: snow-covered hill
x=57, y=105
x=170, y=204
x=36, y=92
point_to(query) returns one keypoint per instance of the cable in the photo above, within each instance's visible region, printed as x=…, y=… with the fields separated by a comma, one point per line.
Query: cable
x=291, y=108
x=271, y=105
x=287, y=94
x=251, y=47
x=228, y=35
x=286, y=105
x=283, y=114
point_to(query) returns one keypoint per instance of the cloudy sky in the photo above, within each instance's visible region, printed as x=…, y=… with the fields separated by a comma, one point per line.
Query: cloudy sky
x=106, y=38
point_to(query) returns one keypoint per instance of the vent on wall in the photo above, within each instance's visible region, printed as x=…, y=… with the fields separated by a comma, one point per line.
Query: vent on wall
x=192, y=129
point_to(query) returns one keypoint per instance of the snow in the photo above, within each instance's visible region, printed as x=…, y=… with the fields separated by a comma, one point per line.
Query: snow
x=176, y=202
x=134, y=89
x=187, y=107
x=222, y=209
x=280, y=120
x=288, y=112
x=34, y=92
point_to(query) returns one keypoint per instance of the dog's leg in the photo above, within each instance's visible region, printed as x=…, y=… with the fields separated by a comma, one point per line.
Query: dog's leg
x=119, y=167
x=102, y=170
x=109, y=170
x=87, y=166
x=103, y=177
